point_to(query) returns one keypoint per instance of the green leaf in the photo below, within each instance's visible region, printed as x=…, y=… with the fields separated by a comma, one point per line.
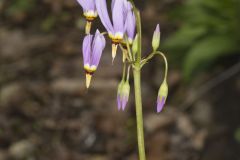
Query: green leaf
x=184, y=37
x=206, y=51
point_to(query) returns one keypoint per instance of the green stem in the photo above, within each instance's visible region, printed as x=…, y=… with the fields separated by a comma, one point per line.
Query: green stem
x=137, y=87
x=139, y=115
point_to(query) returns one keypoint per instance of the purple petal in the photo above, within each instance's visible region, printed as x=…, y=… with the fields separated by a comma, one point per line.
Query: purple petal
x=86, y=49
x=112, y=4
x=87, y=4
x=130, y=25
x=127, y=6
x=97, y=48
x=157, y=30
x=119, y=103
x=160, y=104
x=117, y=15
x=124, y=102
x=101, y=6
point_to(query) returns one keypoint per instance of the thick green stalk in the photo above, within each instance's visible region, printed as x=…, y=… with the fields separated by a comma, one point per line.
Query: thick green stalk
x=139, y=115
x=137, y=87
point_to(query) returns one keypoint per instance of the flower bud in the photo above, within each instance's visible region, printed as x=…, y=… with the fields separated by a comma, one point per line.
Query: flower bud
x=119, y=91
x=135, y=45
x=156, y=38
x=125, y=94
x=162, y=96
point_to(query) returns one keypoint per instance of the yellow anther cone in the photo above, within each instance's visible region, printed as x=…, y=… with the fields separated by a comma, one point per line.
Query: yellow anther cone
x=114, y=51
x=88, y=79
x=88, y=27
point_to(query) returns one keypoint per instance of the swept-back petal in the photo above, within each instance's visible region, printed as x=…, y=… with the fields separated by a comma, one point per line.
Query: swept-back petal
x=86, y=49
x=97, y=48
x=130, y=25
x=117, y=15
x=112, y=4
x=101, y=6
x=127, y=6
x=87, y=4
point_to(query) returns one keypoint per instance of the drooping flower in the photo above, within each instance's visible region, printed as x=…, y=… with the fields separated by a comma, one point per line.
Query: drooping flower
x=92, y=51
x=116, y=28
x=156, y=38
x=123, y=94
x=89, y=11
x=162, y=96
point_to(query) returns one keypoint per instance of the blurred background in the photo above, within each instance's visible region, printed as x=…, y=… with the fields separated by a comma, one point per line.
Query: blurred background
x=46, y=113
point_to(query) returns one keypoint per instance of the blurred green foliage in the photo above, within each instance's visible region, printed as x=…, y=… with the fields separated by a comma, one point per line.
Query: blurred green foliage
x=20, y=6
x=209, y=29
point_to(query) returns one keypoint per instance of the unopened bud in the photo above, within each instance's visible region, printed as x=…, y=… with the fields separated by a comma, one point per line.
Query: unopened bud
x=135, y=45
x=156, y=38
x=162, y=96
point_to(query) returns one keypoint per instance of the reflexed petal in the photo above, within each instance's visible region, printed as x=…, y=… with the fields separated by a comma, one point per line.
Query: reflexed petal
x=101, y=6
x=86, y=49
x=127, y=6
x=130, y=25
x=112, y=4
x=87, y=4
x=117, y=15
x=97, y=48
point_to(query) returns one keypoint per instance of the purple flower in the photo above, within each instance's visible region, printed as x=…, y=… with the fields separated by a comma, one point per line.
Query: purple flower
x=116, y=27
x=92, y=51
x=123, y=94
x=162, y=96
x=89, y=11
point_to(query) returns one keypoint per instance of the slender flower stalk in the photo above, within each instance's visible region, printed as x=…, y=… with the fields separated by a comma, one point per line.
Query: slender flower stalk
x=92, y=51
x=89, y=12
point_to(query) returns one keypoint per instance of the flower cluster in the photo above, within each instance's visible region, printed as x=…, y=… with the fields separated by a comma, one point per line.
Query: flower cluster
x=121, y=29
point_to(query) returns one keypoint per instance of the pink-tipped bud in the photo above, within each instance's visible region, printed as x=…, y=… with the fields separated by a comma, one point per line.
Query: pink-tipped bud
x=162, y=96
x=156, y=38
x=123, y=94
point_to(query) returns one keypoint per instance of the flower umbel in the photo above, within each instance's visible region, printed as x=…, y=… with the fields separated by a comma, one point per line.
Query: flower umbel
x=89, y=11
x=92, y=51
x=162, y=96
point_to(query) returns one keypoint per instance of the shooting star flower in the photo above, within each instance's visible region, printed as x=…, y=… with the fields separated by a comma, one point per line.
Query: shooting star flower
x=116, y=28
x=89, y=11
x=92, y=51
